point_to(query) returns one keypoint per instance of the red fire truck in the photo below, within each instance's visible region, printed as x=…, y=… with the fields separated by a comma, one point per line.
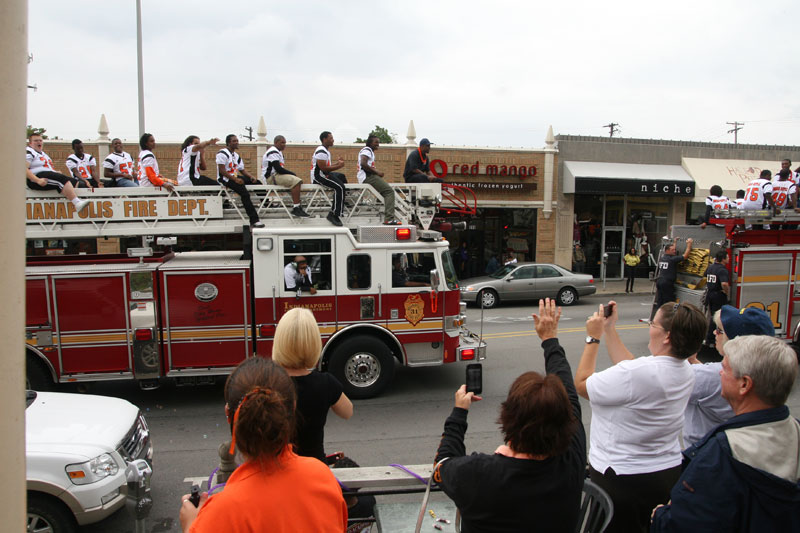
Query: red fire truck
x=764, y=264
x=193, y=316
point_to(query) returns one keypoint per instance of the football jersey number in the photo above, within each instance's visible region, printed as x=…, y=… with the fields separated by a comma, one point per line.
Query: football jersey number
x=752, y=194
x=780, y=198
x=46, y=163
x=82, y=170
x=125, y=168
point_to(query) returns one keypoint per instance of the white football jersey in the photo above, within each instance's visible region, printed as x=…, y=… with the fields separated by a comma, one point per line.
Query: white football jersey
x=188, y=168
x=718, y=202
x=231, y=161
x=272, y=158
x=782, y=192
x=81, y=166
x=122, y=163
x=739, y=203
x=147, y=159
x=755, y=194
x=366, y=151
x=320, y=154
x=38, y=161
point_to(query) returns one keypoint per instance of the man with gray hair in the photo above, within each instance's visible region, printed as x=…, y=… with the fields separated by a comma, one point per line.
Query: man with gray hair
x=744, y=475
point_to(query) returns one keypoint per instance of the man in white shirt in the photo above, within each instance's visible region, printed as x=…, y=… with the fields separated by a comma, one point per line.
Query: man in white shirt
x=716, y=200
x=41, y=175
x=786, y=164
x=758, y=195
x=119, y=166
x=297, y=276
x=367, y=173
x=229, y=166
x=192, y=162
x=83, y=166
x=322, y=173
x=276, y=174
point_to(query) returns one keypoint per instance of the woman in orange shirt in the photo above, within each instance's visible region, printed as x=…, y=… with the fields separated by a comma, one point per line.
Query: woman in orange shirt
x=274, y=489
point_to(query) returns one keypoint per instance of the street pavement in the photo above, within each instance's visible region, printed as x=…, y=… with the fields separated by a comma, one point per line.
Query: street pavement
x=401, y=426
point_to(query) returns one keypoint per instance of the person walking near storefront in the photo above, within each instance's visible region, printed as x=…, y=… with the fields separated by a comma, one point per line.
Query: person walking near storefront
x=579, y=258
x=631, y=261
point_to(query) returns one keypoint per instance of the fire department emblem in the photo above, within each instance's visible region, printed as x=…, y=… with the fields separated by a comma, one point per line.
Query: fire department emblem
x=415, y=309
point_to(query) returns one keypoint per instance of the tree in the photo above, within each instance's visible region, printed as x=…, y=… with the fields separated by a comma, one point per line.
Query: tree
x=38, y=131
x=383, y=136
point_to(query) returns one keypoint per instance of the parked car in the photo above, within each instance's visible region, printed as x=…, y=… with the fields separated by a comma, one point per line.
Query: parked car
x=77, y=448
x=527, y=281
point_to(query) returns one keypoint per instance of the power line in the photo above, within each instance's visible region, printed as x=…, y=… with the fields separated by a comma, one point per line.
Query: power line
x=612, y=128
x=735, y=130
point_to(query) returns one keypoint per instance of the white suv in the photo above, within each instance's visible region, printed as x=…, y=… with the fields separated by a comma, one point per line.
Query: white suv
x=78, y=446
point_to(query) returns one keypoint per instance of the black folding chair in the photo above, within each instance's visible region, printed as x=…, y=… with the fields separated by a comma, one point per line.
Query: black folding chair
x=596, y=509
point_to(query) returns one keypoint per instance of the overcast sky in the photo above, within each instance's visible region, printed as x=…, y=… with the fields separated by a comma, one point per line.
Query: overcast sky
x=468, y=73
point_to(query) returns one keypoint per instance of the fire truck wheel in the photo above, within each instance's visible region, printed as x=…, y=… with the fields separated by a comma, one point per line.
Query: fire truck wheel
x=488, y=298
x=363, y=365
x=36, y=375
x=567, y=296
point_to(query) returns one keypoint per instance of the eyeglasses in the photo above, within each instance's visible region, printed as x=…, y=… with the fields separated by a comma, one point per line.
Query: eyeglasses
x=653, y=324
x=718, y=331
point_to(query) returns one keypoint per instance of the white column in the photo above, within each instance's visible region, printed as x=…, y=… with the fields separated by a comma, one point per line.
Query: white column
x=261, y=146
x=13, y=103
x=549, y=159
x=103, y=144
x=411, y=136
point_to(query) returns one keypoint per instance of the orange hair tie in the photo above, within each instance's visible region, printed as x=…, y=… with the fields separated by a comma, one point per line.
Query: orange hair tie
x=253, y=392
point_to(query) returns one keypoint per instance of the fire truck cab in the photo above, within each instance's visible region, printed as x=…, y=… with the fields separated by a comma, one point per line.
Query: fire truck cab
x=383, y=295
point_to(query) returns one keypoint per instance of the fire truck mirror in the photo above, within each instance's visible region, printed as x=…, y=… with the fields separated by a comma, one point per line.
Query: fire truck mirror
x=435, y=280
x=141, y=285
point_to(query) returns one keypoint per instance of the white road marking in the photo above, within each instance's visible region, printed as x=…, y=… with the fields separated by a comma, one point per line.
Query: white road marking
x=198, y=480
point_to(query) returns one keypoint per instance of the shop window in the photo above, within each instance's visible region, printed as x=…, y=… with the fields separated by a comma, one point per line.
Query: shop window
x=359, y=271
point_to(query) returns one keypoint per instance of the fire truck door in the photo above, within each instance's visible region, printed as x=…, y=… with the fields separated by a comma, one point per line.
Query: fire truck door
x=767, y=281
x=415, y=313
x=91, y=313
x=207, y=318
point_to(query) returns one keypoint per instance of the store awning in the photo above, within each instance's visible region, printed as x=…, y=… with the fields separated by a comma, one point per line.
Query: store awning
x=591, y=177
x=730, y=174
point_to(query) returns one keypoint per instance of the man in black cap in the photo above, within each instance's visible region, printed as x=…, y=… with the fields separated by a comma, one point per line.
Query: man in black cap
x=418, y=168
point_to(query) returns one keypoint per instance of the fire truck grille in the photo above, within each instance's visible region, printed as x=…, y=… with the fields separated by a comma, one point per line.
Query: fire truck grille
x=136, y=443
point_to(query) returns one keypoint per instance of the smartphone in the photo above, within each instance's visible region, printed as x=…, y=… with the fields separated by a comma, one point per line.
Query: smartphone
x=607, y=310
x=475, y=378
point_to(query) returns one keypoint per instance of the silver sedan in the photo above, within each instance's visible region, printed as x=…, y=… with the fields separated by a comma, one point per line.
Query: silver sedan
x=527, y=281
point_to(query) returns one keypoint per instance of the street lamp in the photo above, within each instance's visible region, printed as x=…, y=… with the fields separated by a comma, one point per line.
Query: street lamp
x=139, y=64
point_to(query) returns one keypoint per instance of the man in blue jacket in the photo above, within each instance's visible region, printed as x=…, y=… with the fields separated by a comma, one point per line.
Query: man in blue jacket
x=745, y=474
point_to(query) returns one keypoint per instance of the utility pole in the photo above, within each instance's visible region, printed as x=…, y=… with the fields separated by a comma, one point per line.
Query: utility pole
x=736, y=127
x=139, y=67
x=612, y=128
x=249, y=134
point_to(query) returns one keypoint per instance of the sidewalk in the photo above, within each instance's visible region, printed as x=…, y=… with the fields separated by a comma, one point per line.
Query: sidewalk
x=642, y=286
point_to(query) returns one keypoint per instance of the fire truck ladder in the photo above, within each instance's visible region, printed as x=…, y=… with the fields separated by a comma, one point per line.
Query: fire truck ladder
x=459, y=200
x=214, y=210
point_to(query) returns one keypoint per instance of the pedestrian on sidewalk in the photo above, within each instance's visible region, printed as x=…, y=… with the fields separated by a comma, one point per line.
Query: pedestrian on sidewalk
x=631, y=262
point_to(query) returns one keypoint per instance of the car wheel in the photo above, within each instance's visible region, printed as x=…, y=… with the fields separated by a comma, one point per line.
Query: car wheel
x=37, y=377
x=567, y=296
x=364, y=365
x=48, y=515
x=488, y=298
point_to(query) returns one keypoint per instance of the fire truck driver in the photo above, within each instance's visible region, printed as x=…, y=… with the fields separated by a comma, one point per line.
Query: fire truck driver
x=399, y=276
x=668, y=263
x=297, y=276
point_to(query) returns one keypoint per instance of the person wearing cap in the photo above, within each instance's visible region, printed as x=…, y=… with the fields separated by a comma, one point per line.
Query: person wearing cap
x=707, y=408
x=418, y=168
x=745, y=474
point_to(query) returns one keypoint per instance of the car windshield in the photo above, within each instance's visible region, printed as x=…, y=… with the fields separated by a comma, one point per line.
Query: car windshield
x=449, y=271
x=503, y=272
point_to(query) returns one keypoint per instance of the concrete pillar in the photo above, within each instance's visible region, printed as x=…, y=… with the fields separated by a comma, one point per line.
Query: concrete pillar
x=411, y=136
x=103, y=144
x=549, y=159
x=261, y=146
x=13, y=103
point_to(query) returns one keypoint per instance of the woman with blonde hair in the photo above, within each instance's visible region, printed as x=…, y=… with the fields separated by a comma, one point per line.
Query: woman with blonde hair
x=297, y=348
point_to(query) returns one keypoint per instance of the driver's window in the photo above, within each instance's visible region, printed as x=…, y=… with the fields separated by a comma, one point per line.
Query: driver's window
x=412, y=269
x=523, y=273
x=315, y=261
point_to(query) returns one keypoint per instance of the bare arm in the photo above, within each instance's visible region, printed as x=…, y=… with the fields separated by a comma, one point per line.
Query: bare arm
x=588, y=363
x=617, y=351
x=330, y=167
x=205, y=144
x=343, y=407
x=223, y=171
x=33, y=177
x=366, y=168
x=688, y=248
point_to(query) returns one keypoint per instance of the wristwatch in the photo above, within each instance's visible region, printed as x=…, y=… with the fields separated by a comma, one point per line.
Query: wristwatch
x=592, y=340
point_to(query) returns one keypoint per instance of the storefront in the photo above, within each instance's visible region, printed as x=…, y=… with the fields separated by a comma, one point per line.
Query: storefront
x=618, y=207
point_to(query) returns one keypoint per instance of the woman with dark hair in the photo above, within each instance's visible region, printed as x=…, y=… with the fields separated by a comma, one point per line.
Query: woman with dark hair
x=262, y=493
x=148, y=165
x=637, y=409
x=631, y=261
x=534, y=480
x=192, y=162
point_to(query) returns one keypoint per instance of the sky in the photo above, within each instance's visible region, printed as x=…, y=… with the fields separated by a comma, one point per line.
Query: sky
x=467, y=73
